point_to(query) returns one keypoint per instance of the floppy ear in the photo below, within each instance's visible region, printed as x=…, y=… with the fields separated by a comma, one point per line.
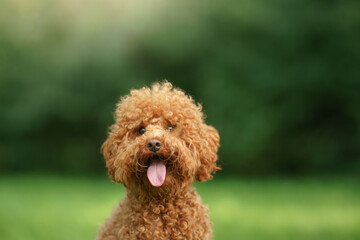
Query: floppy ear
x=208, y=153
x=110, y=150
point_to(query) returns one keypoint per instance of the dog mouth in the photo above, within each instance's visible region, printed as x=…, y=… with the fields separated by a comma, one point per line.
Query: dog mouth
x=156, y=172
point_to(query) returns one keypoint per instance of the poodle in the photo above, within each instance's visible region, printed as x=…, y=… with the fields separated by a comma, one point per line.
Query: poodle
x=157, y=146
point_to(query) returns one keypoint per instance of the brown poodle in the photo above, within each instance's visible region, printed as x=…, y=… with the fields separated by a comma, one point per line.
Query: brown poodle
x=158, y=144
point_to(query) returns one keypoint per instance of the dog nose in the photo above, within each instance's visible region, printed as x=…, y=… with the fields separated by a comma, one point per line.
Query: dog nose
x=154, y=145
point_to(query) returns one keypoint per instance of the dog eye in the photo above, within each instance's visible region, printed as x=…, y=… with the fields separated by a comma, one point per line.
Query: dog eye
x=142, y=130
x=170, y=128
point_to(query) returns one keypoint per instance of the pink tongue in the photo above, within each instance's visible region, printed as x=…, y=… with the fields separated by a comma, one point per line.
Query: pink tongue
x=156, y=173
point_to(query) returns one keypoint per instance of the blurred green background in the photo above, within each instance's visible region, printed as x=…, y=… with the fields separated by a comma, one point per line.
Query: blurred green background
x=279, y=79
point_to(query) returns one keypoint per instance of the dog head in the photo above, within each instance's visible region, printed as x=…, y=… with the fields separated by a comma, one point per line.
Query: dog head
x=160, y=141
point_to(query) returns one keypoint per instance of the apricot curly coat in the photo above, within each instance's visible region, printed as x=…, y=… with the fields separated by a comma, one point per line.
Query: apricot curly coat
x=188, y=150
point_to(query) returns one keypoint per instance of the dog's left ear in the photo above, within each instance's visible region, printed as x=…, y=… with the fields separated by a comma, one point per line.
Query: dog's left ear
x=208, y=153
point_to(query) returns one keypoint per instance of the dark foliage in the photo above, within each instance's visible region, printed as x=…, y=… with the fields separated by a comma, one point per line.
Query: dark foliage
x=279, y=79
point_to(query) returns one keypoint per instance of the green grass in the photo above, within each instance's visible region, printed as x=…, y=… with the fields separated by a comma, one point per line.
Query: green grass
x=48, y=207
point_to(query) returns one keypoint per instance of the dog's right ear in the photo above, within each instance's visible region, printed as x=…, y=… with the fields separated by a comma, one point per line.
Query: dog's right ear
x=110, y=149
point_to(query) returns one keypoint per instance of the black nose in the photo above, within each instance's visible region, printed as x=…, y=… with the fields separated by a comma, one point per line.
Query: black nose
x=154, y=145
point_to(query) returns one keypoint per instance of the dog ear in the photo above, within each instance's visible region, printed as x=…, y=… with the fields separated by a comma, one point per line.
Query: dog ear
x=110, y=152
x=208, y=153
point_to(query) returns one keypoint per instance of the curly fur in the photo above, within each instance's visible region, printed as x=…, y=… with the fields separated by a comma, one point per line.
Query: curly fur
x=174, y=210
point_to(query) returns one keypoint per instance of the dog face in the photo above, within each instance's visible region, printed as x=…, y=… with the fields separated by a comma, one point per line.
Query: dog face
x=159, y=140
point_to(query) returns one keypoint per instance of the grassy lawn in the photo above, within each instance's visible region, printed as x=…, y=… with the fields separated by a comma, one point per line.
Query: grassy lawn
x=48, y=207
